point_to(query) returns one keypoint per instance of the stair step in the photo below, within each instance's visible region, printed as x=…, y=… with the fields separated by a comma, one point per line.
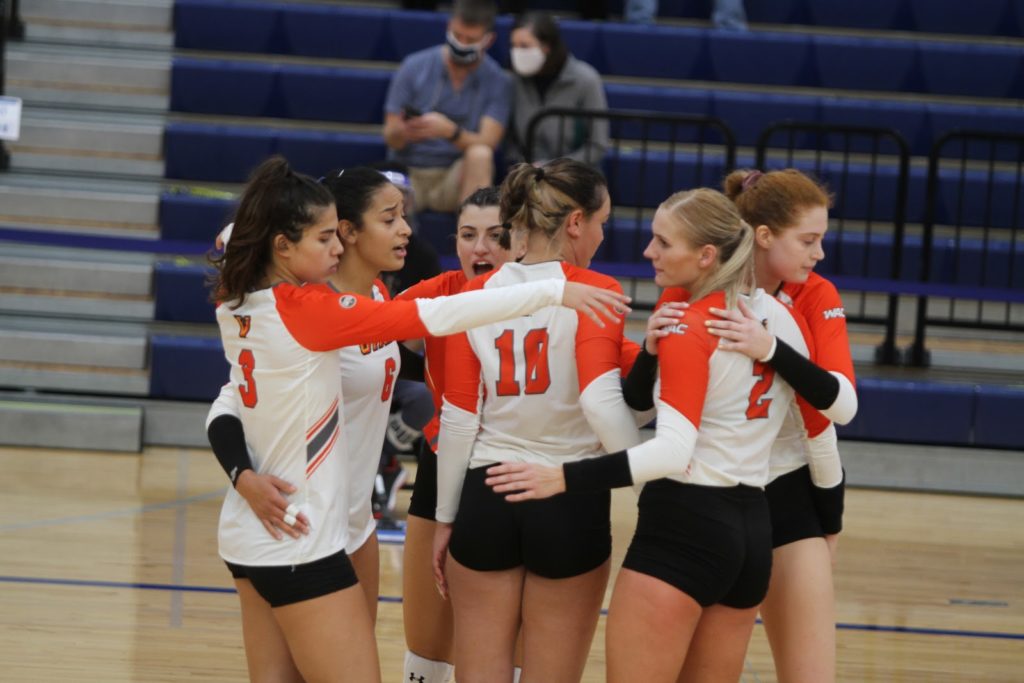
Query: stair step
x=97, y=211
x=41, y=273
x=63, y=425
x=73, y=343
x=111, y=71
x=79, y=132
x=93, y=99
x=134, y=14
x=87, y=35
x=30, y=159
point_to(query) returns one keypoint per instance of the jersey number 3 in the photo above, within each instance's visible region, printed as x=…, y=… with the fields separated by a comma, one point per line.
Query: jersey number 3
x=757, y=407
x=247, y=391
x=535, y=353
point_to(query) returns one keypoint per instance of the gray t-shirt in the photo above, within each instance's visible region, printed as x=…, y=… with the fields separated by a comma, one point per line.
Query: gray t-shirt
x=422, y=82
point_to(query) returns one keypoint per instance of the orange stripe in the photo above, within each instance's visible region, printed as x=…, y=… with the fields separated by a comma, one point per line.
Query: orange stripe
x=311, y=467
x=319, y=423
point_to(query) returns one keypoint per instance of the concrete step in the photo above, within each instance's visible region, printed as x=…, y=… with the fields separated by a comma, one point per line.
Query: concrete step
x=92, y=211
x=152, y=15
x=37, y=31
x=59, y=341
x=48, y=424
x=106, y=70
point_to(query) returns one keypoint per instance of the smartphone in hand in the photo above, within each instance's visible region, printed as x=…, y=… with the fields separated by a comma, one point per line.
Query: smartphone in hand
x=410, y=112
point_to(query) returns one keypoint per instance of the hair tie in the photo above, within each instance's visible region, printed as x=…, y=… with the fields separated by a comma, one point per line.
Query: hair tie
x=751, y=179
x=540, y=174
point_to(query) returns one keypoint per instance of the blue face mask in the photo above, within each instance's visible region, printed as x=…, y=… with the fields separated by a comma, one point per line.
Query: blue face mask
x=461, y=53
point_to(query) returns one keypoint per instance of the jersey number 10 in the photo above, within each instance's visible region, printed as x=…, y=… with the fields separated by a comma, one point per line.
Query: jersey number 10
x=535, y=353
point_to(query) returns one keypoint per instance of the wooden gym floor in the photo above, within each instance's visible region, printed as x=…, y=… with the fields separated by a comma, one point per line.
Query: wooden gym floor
x=109, y=572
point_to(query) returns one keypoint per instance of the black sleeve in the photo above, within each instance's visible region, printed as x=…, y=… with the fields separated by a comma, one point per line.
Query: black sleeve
x=829, y=503
x=228, y=442
x=598, y=474
x=413, y=367
x=817, y=386
x=638, y=387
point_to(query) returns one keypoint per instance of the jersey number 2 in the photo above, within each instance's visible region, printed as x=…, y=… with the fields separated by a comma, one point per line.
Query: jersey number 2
x=248, y=390
x=757, y=407
x=535, y=352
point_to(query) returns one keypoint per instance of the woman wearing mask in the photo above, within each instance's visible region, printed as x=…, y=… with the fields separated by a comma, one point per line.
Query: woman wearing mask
x=547, y=75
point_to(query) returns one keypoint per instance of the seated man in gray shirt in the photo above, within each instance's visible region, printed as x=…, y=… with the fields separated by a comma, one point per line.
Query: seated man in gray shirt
x=447, y=108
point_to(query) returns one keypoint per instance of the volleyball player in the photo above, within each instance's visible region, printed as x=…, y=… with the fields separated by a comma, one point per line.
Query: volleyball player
x=540, y=388
x=790, y=213
x=684, y=602
x=303, y=616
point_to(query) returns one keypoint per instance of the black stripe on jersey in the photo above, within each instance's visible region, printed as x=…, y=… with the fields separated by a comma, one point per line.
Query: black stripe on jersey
x=318, y=441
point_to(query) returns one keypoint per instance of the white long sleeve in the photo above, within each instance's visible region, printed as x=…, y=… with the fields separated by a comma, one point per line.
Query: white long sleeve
x=607, y=413
x=450, y=314
x=454, y=449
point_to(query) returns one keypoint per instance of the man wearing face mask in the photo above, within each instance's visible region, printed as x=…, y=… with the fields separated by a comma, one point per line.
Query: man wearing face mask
x=547, y=75
x=447, y=108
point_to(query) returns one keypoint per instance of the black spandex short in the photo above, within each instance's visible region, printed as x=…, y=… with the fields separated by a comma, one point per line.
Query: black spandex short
x=794, y=516
x=288, y=584
x=424, y=490
x=712, y=543
x=559, y=537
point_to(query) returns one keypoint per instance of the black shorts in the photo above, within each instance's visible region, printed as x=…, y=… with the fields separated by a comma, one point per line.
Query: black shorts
x=287, y=584
x=712, y=543
x=566, y=535
x=424, y=490
x=794, y=516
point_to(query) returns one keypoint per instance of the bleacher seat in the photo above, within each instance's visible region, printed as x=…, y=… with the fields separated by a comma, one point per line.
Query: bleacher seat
x=181, y=294
x=193, y=218
x=186, y=368
x=997, y=423
x=927, y=412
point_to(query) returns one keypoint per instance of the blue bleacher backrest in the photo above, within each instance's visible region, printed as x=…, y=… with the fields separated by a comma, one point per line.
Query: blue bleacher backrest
x=181, y=293
x=316, y=152
x=214, y=152
x=323, y=31
x=191, y=218
x=914, y=412
x=222, y=87
x=998, y=417
x=412, y=31
x=228, y=25
x=776, y=11
x=892, y=15
x=762, y=58
x=971, y=69
x=186, y=368
x=977, y=198
x=988, y=18
x=584, y=41
x=854, y=63
x=992, y=118
x=748, y=114
x=909, y=119
x=333, y=94
x=655, y=51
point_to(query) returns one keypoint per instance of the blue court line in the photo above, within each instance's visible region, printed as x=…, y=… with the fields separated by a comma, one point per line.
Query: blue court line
x=395, y=599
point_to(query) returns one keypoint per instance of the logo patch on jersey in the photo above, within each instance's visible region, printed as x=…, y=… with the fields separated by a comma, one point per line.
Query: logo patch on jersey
x=832, y=313
x=347, y=301
x=678, y=329
x=244, y=325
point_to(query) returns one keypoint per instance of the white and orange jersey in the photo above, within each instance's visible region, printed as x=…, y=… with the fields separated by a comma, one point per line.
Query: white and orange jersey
x=281, y=344
x=719, y=412
x=818, y=301
x=445, y=284
x=368, y=375
x=541, y=388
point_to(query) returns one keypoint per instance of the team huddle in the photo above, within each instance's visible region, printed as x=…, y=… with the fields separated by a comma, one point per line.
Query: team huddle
x=538, y=399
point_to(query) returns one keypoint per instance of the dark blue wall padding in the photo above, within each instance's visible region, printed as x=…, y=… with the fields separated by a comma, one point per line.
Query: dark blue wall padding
x=915, y=412
x=192, y=218
x=181, y=293
x=186, y=368
x=998, y=420
x=229, y=153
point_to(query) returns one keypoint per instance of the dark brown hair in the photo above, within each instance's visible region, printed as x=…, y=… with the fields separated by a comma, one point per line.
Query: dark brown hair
x=353, y=190
x=776, y=198
x=276, y=200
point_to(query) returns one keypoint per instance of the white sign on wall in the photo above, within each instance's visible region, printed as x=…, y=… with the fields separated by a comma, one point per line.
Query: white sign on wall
x=10, y=118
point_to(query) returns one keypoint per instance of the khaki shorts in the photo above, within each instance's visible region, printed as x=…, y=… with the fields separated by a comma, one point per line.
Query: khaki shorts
x=437, y=189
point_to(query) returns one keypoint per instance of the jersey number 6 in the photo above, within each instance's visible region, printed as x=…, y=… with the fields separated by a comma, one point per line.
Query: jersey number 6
x=535, y=352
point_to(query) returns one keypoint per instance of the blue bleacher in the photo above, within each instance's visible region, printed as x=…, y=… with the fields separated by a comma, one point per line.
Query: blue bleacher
x=241, y=88
x=762, y=57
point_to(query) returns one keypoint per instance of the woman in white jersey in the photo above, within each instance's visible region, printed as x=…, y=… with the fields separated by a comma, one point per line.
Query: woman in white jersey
x=372, y=228
x=541, y=388
x=684, y=602
x=303, y=616
x=789, y=212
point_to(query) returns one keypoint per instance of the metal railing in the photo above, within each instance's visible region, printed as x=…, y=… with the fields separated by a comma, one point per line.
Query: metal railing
x=868, y=171
x=974, y=211
x=650, y=156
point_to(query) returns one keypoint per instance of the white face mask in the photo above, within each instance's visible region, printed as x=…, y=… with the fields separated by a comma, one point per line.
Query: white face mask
x=527, y=61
